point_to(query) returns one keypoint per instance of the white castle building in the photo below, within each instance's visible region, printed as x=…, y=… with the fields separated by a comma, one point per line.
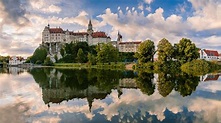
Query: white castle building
x=126, y=46
x=54, y=38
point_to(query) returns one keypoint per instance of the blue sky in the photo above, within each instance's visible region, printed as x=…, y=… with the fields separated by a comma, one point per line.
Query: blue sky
x=22, y=21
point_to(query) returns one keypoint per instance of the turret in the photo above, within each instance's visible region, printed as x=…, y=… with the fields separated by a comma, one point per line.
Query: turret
x=90, y=28
x=119, y=37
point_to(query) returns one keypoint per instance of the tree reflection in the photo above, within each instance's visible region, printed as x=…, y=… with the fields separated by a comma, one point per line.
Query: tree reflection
x=186, y=84
x=165, y=83
x=65, y=84
x=145, y=82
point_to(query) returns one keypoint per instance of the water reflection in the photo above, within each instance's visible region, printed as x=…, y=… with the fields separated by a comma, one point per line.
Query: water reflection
x=59, y=95
x=12, y=70
x=62, y=84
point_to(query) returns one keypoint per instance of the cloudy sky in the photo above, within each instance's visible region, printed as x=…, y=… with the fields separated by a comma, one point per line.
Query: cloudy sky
x=22, y=21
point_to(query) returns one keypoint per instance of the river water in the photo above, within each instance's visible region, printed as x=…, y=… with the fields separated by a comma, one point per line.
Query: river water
x=46, y=95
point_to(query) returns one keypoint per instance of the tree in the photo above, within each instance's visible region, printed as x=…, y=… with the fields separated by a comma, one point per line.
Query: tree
x=186, y=84
x=165, y=50
x=80, y=56
x=70, y=51
x=145, y=52
x=39, y=55
x=91, y=59
x=185, y=51
x=165, y=83
x=145, y=82
x=48, y=62
x=107, y=53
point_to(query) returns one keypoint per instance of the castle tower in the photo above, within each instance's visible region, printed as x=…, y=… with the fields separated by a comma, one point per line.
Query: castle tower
x=90, y=28
x=119, y=37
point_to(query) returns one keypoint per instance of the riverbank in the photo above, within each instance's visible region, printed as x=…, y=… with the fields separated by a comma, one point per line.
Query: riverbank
x=118, y=65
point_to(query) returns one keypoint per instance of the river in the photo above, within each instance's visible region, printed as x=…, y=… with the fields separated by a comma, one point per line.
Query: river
x=47, y=95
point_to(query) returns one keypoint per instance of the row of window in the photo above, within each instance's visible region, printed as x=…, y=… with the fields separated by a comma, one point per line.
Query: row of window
x=211, y=57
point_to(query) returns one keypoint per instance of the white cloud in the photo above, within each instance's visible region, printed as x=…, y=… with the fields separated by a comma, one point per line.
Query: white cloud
x=206, y=15
x=148, y=8
x=148, y=1
x=136, y=26
x=45, y=6
x=141, y=6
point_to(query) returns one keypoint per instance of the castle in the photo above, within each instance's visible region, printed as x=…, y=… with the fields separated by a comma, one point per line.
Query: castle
x=54, y=38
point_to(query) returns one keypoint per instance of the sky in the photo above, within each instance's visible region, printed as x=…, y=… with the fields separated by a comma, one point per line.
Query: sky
x=22, y=21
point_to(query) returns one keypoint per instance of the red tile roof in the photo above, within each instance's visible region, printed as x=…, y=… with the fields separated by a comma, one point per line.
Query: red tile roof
x=56, y=30
x=99, y=35
x=211, y=77
x=211, y=52
x=130, y=42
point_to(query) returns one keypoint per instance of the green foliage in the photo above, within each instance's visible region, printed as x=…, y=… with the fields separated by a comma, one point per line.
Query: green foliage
x=62, y=51
x=165, y=83
x=145, y=66
x=186, y=84
x=4, y=59
x=126, y=56
x=165, y=50
x=39, y=56
x=145, y=82
x=185, y=51
x=168, y=67
x=48, y=62
x=107, y=53
x=81, y=57
x=145, y=52
x=56, y=58
x=199, y=67
x=70, y=52
x=91, y=59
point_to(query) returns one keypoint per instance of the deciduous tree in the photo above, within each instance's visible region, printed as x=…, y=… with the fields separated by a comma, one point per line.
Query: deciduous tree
x=81, y=56
x=185, y=51
x=164, y=50
x=107, y=53
x=145, y=52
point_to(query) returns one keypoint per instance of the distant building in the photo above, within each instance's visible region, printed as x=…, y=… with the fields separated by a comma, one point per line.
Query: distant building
x=54, y=38
x=127, y=46
x=209, y=55
x=15, y=61
x=210, y=77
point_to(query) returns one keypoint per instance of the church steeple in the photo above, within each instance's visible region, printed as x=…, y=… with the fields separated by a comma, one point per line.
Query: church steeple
x=90, y=28
x=119, y=37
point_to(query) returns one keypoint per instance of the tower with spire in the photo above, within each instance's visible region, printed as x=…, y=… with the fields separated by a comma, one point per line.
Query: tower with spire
x=90, y=28
x=119, y=37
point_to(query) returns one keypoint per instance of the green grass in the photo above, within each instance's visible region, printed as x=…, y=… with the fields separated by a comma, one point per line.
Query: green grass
x=118, y=65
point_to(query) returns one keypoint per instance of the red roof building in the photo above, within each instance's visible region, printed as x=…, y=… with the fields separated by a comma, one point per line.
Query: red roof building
x=209, y=55
x=211, y=78
x=56, y=30
x=211, y=52
x=99, y=35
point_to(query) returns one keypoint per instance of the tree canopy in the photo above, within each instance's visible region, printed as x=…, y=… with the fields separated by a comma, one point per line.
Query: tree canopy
x=107, y=53
x=81, y=57
x=39, y=55
x=70, y=52
x=145, y=52
x=185, y=51
x=165, y=50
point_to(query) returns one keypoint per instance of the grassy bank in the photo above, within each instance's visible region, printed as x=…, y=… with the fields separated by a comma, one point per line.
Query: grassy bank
x=118, y=65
